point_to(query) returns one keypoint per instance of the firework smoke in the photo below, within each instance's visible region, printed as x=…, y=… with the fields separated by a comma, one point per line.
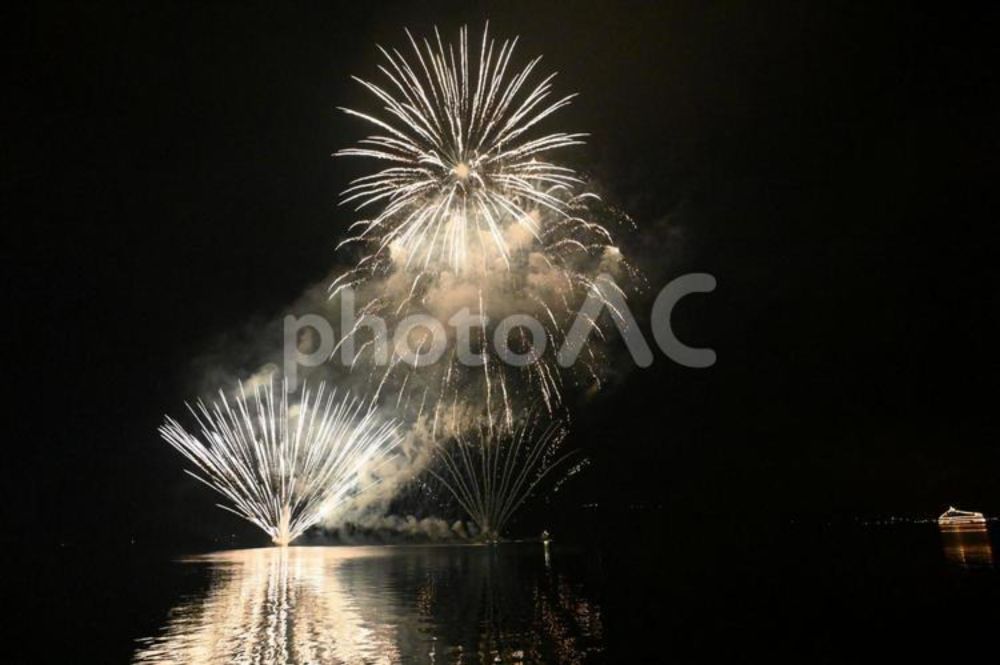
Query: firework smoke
x=282, y=466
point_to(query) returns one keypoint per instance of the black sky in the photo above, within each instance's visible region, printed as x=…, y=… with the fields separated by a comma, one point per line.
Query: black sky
x=167, y=180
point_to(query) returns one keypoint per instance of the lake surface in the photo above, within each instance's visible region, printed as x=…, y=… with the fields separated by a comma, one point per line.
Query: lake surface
x=804, y=594
x=428, y=604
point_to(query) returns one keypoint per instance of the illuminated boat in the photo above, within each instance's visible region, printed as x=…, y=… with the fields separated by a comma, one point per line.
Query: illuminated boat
x=954, y=518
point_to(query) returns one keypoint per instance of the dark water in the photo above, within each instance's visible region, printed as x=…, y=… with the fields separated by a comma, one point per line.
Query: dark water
x=381, y=605
x=876, y=594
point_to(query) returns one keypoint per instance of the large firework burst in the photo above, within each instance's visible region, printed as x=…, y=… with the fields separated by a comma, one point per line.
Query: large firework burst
x=463, y=163
x=280, y=465
x=472, y=216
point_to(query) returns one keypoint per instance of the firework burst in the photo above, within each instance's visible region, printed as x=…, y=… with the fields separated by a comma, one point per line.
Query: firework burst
x=470, y=215
x=283, y=466
x=493, y=472
x=463, y=163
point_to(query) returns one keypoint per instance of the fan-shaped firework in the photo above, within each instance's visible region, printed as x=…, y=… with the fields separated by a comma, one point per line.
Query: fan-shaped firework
x=280, y=465
x=493, y=472
x=463, y=162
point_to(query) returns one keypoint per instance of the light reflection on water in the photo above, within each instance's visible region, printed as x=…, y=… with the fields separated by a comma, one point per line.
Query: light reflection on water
x=354, y=605
x=968, y=546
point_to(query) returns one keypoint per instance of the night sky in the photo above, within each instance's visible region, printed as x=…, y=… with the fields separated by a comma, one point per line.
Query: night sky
x=168, y=183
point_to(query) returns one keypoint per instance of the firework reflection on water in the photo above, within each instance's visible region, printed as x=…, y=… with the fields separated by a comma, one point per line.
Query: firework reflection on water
x=431, y=604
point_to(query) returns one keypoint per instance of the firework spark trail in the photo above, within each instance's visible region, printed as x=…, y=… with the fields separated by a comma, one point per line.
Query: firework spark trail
x=283, y=466
x=493, y=473
x=463, y=162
